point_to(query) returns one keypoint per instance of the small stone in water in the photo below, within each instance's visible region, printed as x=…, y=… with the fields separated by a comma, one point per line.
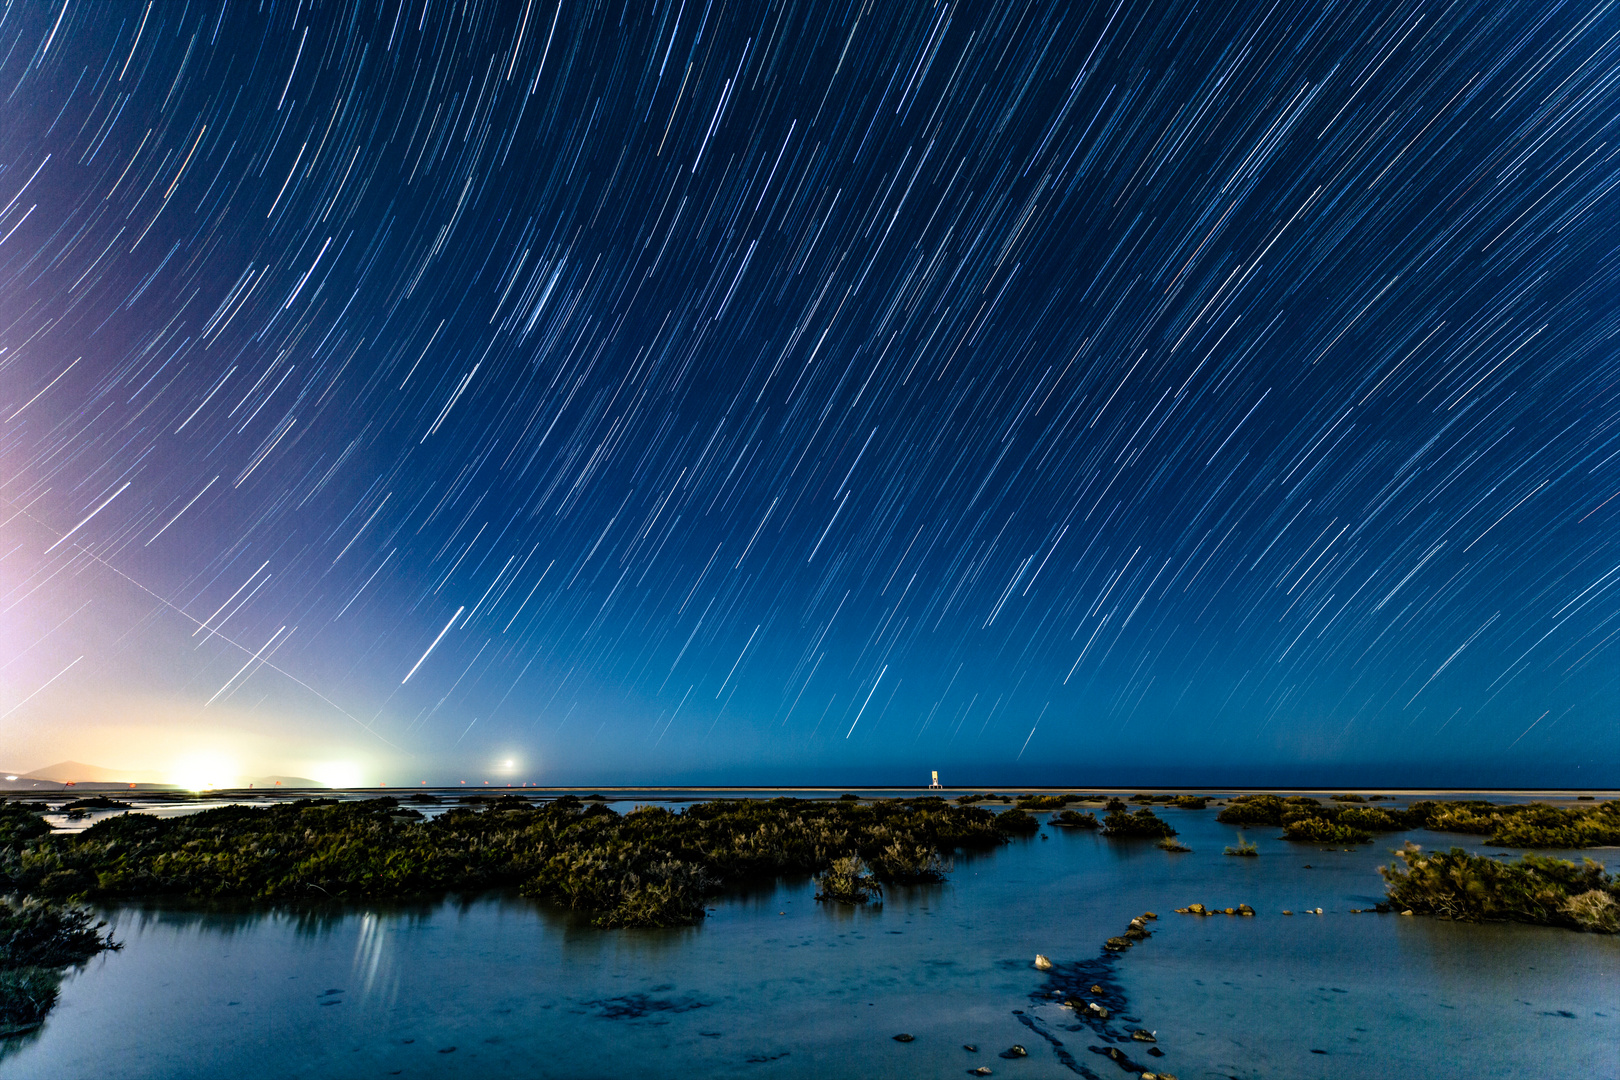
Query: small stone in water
x=903, y=1037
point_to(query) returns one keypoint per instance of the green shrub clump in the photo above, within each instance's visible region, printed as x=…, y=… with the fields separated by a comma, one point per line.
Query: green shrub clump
x=1016, y=822
x=1075, y=820
x=1525, y=825
x=650, y=867
x=1243, y=847
x=1317, y=830
x=1531, y=889
x=1144, y=822
x=1252, y=810
x=1044, y=802
x=847, y=882
x=1528, y=825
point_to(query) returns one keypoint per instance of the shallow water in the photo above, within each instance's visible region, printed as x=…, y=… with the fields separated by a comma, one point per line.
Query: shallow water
x=776, y=985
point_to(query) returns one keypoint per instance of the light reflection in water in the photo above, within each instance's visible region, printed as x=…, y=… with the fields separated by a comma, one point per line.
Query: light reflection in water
x=374, y=966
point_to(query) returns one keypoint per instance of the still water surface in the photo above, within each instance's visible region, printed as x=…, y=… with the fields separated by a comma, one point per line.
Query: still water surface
x=775, y=985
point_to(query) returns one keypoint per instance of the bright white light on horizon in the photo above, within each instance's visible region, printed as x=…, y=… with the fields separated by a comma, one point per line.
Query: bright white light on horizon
x=337, y=774
x=204, y=770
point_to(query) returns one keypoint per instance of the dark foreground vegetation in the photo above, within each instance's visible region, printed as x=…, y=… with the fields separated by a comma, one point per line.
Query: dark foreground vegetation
x=1523, y=825
x=650, y=867
x=37, y=941
x=1121, y=821
x=1530, y=889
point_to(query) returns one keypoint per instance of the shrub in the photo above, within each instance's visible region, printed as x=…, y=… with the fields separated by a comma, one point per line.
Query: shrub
x=1318, y=831
x=649, y=867
x=26, y=996
x=847, y=882
x=908, y=864
x=1594, y=911
x=1524, y=824
x=1044, y=802
x=1143, y=823
x=37, y=934
x=1532, y=889
x=1075, y=820
x=20, y=822
x=1243, y=847
x=1252, y=810
x=1191, y=802
x=36, y=940
x=1370, y=819
x=1016, y=821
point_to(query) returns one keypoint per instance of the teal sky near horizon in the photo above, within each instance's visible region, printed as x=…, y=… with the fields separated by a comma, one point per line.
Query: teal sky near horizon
x=401, y=390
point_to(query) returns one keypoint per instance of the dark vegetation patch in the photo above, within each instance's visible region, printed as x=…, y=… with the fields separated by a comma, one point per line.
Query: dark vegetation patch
x=1044, y=802
x=96, y=802
x=1524, y=825
x=1016, y=822
x=1530, y=889
x=37, y=941
x=1074, y=819
x=651, y=867
x=1121, y=821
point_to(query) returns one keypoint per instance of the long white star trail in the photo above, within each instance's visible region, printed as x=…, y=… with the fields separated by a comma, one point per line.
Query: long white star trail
x=1160, y=387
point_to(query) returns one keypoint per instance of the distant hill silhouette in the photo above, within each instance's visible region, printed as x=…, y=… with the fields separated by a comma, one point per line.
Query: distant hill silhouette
x=65, y=772
x=284, y=781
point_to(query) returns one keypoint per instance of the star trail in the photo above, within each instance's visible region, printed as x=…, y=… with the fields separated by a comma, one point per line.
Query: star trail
x=783, y=390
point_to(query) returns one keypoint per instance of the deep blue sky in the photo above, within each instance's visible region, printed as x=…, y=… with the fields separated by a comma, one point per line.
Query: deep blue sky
x=785, y=391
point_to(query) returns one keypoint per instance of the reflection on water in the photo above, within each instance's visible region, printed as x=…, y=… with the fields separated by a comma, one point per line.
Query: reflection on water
x=777, y=985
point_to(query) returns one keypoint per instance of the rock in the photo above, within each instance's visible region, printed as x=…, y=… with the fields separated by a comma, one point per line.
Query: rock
x=1143, y=1035
x=1408, y=911
x=1318, y=911
x=1287, y=912
x=1015, y=1051
x=1095, y=989
x=970, y=1048
x=982, y=1070
x=1196, y=909
x=1138, y=924
x=1098, y=1010
x=1155, y=1051
x=1042, y=963
x=1245, y=909
x=1149, y=915
x=1118, y=944
x=904, y=1037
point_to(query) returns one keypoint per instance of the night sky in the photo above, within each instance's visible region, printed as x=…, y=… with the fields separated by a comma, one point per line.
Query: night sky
x=780, y=392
